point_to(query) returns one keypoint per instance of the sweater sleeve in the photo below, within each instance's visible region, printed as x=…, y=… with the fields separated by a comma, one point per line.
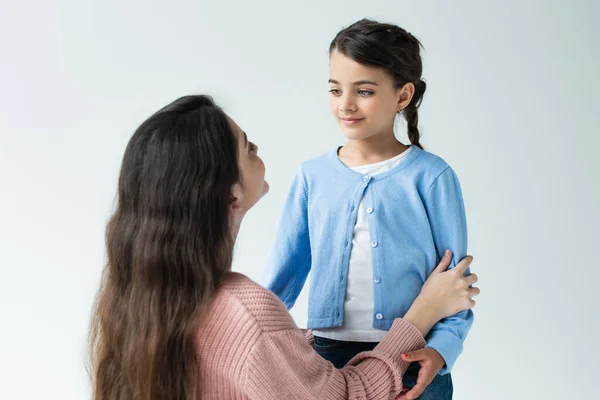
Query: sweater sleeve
x=446, y=212
x=282, y=365
x=290, y=259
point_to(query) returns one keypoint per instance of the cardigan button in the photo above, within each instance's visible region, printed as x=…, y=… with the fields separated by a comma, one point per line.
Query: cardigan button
x=379, y=316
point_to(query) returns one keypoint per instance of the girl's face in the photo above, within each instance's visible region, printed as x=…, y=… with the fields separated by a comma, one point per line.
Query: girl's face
x=363, y=100
x=253, y=186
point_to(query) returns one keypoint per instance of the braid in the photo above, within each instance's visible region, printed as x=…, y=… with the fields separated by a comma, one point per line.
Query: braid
x=411, y=114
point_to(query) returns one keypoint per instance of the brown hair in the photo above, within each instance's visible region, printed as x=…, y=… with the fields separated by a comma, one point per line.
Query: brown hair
x=169, y=246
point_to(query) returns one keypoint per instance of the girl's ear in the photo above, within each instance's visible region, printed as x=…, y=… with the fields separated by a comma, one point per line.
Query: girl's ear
x=405, y=95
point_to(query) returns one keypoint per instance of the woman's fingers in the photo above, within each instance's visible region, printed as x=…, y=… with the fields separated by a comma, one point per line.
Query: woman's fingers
x=413, y=356
x=444, y=262
x=474, y=291
x=471, y=279
x=463, y=264
x=468, y=298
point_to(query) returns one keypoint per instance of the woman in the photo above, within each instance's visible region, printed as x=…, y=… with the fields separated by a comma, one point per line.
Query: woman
x=172, y=321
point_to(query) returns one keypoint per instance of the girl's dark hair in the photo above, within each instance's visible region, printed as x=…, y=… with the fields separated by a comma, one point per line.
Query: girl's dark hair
x=169, y=246
x=395, y=50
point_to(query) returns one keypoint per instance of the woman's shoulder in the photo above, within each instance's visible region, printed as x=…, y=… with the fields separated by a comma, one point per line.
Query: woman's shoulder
x=239, y=315
x=265, y=308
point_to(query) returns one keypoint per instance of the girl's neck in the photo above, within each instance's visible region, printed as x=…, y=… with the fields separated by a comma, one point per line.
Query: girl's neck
x=370, y=151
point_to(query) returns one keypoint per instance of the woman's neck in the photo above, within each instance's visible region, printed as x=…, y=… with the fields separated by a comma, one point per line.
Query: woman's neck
x=236, y=223
x=371, y=150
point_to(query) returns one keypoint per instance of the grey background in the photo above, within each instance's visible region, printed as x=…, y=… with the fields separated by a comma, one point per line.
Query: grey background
x=511, y=105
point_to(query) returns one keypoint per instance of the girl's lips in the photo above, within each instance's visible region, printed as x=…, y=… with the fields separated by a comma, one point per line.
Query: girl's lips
x=351, y=121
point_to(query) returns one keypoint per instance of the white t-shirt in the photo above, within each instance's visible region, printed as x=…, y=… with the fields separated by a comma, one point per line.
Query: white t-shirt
x=359, y=303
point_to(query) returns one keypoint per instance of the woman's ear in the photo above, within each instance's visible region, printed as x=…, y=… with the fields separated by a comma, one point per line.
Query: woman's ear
x=236, y=197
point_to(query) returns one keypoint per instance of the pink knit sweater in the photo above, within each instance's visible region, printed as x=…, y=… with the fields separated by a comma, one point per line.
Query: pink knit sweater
x=249, y=347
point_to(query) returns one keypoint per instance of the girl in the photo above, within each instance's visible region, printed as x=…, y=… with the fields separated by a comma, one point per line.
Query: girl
x=171, y=320
x=371, y=219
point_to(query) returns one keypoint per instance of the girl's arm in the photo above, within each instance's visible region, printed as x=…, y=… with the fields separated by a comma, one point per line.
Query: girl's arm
x=290, y=259
x=446, y=212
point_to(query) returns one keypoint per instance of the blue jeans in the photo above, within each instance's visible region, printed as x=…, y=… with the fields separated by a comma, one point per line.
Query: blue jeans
x=339, y=352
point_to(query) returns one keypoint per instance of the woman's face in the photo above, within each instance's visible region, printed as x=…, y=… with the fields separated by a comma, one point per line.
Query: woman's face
x=253, y=186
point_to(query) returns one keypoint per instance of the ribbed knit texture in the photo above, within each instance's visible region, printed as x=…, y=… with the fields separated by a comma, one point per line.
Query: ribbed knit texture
x=248, y=347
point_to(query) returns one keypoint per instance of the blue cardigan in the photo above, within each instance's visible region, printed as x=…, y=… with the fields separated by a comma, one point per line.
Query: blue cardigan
x=416, y=213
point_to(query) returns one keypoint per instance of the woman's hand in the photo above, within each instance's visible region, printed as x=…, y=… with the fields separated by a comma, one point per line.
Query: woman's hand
x=449, y=291
x=444, y=293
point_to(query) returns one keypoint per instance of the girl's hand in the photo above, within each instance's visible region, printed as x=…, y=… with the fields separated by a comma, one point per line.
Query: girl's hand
x=444, y=294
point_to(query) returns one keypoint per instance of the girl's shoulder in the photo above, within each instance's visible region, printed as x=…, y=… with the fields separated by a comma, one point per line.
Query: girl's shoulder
x=429, y=161
x=319, y=163
x=428, y=166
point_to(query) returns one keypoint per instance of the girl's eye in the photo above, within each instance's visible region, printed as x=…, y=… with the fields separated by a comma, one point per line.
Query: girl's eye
x=335, y=92
x=365, y=92
x=253, y=148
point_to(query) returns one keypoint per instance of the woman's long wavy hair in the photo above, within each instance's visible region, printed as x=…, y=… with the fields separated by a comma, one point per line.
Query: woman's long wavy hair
x=169, y=246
